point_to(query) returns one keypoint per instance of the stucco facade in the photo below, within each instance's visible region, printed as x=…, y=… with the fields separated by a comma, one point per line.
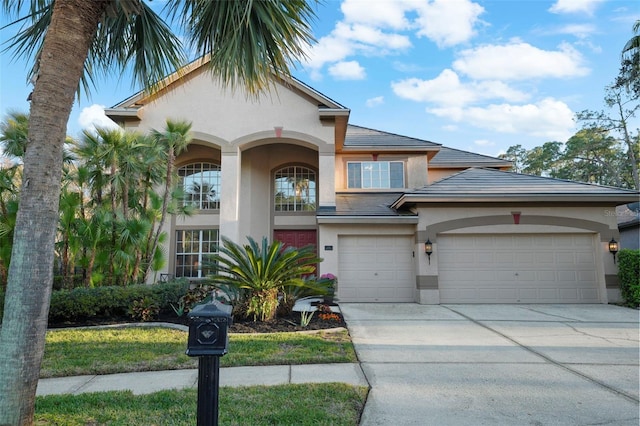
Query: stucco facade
x=291, y=166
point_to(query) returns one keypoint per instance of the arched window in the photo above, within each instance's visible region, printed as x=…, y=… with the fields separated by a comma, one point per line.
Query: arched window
x=201, y=185
x=295, y=189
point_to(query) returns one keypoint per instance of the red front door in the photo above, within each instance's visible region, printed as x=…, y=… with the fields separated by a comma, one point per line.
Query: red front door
x=297, y=238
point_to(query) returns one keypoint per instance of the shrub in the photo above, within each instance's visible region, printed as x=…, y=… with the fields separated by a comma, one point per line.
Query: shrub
x=260, y=272
x=112, y=301
x=145, y=309
x=629, y=276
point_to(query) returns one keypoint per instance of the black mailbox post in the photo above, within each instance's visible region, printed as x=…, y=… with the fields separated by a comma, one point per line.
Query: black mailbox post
x=208, y=339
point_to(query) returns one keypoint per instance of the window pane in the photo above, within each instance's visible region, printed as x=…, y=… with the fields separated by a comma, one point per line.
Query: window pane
x=375, y=174
x=396, y=175
x=201, y=185
x=295, y=189
x=193, y=248
x=354, y=176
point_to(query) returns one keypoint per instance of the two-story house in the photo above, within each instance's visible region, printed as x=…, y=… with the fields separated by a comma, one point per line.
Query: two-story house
x=288, y=165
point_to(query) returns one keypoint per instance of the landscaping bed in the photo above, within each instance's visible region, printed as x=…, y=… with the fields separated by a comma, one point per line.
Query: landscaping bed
x=287, y=323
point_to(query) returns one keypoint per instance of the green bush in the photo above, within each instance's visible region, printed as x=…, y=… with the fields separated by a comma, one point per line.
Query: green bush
x=80, y=304
x=629, y=276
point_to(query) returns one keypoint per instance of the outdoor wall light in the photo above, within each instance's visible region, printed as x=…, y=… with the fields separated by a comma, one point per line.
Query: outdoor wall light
x=613, y=248
x=428, y=249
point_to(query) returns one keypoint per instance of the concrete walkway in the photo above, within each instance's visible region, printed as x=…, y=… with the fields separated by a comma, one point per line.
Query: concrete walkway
x=154, y=381
x=497, y=364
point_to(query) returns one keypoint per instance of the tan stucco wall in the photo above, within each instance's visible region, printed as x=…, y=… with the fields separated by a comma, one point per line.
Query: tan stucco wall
x=231, y=116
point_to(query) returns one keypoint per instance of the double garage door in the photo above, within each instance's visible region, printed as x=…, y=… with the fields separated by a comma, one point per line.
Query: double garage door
x=376, y=269
x=530, y=268
x=510, y=268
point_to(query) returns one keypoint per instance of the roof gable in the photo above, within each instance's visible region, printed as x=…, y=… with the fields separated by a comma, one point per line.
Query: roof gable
x=129, y=107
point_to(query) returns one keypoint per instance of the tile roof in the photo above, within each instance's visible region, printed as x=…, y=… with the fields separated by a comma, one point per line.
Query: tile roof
x=364, y=204
x=358, y=137
x=479, y=184
x=450, y=157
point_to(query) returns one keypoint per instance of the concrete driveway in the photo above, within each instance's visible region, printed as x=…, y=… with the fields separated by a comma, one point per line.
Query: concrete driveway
x=497, y=364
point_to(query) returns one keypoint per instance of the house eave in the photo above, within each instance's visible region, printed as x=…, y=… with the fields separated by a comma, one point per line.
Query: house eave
x=409, y=199
x=123, y=113
x=333, y=112
x=363, y=219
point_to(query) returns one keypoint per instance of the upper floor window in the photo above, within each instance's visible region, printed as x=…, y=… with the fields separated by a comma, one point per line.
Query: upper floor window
x=295, y=189
x=201, y=185
x=375, y=174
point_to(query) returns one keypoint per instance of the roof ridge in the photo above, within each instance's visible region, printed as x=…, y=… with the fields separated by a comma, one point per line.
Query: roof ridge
x=393, y=134
x=476, y=153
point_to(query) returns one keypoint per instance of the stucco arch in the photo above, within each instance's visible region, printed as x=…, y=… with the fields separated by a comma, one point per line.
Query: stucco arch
x=207, y=139
x=491, y=220
x=253, y=140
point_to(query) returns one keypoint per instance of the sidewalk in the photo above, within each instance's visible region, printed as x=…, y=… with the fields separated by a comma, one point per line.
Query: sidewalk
x=154, y=381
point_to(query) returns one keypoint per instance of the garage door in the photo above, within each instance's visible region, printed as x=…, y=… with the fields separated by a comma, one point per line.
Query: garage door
x=376, y=269
x=553, y=268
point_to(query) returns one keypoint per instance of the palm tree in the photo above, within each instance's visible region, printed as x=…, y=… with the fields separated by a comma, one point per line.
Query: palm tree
x=629, y=77
x=13, y=134
x=633, y=45
x=174, y=139
x=67, y=41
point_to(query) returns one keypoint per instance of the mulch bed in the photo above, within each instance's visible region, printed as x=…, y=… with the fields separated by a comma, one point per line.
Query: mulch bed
x=280, y=324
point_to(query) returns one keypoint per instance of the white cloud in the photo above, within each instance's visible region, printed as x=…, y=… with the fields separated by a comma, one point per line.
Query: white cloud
x=350, y=70
x=373, y=102
x=484, y=142
x=575, y=6
x=548, y=118
x=448, y=22
x=383, y=14
x=520, y=61
x=367, y=37
x=579, y=30
x=93, y=116
x=447, y=89
x=380, y=28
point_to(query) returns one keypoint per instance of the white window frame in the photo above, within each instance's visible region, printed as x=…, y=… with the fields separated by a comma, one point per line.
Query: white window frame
x=200, y=201
x=372, y=176
x=299, y=203
x=194, y=251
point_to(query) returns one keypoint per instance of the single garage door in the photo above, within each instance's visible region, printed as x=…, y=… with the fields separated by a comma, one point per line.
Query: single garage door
x=376, y=269
x=517, y=268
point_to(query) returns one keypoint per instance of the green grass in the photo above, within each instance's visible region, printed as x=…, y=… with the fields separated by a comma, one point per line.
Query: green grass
x=73, y=352
x=309, y=404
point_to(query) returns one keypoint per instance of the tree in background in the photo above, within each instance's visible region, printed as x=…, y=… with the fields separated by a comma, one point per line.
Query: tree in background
x=68, y=41
x=606, y=151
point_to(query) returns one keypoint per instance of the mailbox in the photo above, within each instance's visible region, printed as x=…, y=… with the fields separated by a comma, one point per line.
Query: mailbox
x=208, y=329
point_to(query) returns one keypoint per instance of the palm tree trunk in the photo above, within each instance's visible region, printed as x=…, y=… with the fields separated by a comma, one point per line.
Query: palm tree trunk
x=66, y=43
x=171, y=158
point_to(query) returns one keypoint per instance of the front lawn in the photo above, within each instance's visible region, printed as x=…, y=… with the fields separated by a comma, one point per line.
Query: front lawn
x=72, y=352
x=305, y=404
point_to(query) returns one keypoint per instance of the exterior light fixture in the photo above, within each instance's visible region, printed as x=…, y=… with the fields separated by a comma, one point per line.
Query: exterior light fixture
x=613, y=248
x=428, y=249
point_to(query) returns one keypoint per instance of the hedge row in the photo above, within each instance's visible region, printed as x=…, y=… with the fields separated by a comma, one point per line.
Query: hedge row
x=80, y=304
x=629, y=276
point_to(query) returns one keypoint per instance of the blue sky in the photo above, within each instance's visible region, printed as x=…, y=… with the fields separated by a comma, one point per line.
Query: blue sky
x=474, y=75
